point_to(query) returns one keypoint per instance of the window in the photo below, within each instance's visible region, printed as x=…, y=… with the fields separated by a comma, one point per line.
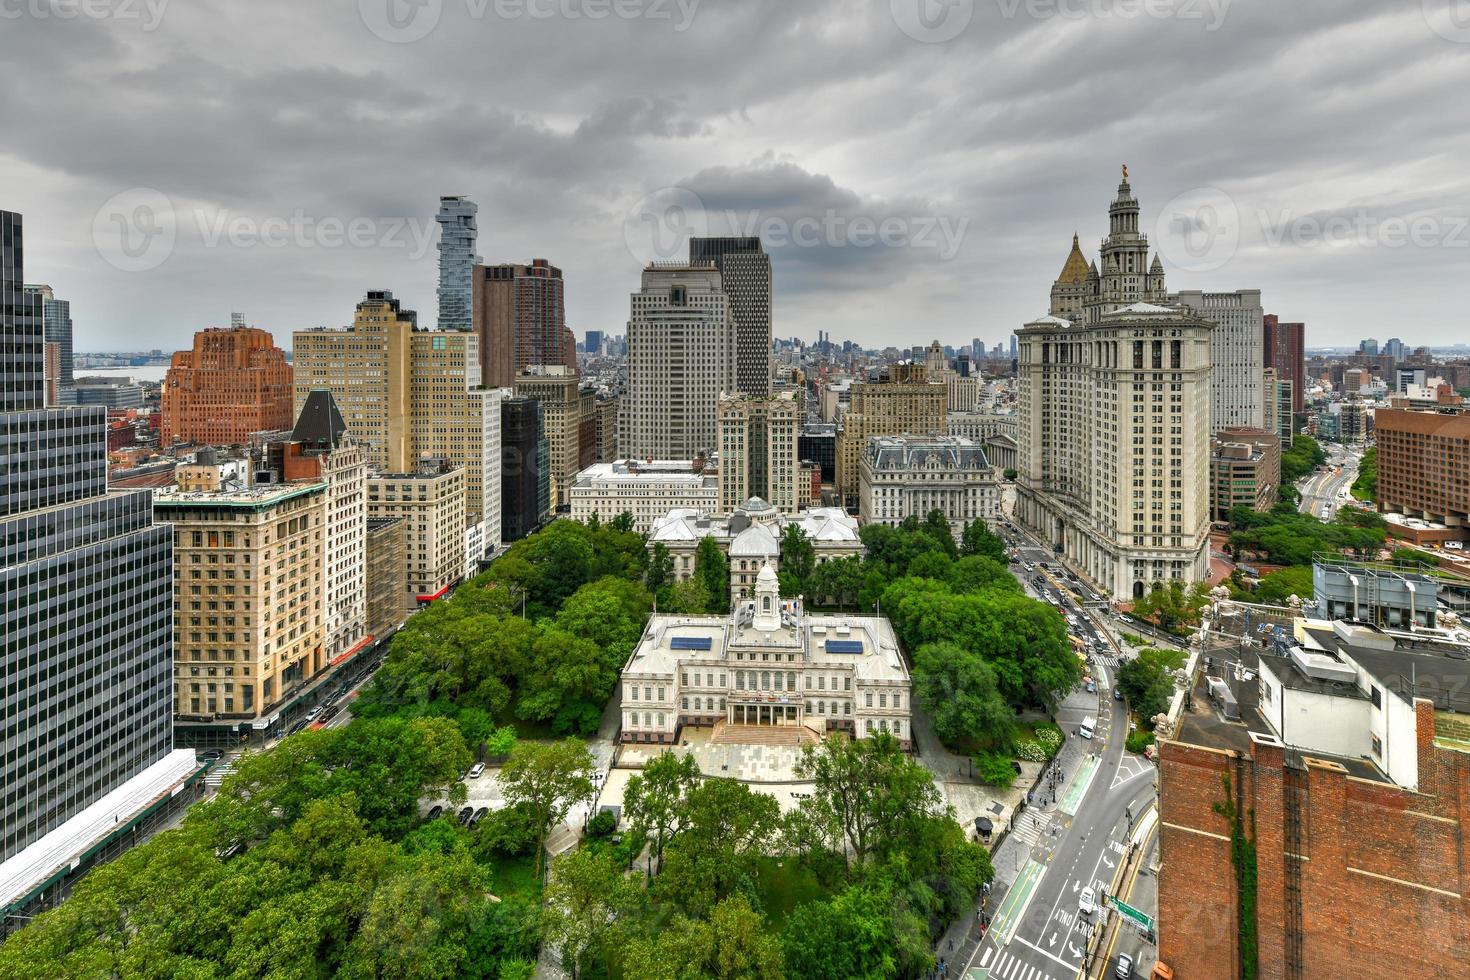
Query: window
x=1377, y=746
x=1378, y=697
x=868, y=699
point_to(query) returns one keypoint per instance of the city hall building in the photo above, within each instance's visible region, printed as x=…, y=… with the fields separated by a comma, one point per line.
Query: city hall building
x=768, y=665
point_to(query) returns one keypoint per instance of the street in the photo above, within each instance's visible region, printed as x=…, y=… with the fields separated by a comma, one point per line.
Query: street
x=1079, y=839
x=1322, y=491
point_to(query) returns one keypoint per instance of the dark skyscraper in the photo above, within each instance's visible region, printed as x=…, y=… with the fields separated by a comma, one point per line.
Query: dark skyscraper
x=525, y=489
x=745, y=272
x=1285, y=350
x=86, y=646
x=457, y=261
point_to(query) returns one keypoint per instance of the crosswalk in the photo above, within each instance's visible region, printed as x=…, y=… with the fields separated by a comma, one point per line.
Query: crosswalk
x=1030, y=827
x=1004, y=966
x=216, y=776
x=1107, y=661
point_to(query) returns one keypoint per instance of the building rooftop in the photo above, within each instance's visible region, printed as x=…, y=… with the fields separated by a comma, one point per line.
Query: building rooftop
x=253, y=498
x=656, y=471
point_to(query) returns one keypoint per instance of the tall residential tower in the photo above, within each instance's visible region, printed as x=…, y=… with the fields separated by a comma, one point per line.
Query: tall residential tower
x=457, y=261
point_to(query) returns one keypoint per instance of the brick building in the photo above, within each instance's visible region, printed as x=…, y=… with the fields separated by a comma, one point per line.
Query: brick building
x=1424, y=464
x=1349, y=773
x=234, y=382
x=1285, y=351
x=520, y=316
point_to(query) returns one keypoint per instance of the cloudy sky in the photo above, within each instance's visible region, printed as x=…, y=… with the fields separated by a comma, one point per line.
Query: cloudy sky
x=917, y=167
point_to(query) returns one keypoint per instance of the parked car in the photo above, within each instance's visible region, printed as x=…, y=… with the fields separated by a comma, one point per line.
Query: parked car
x=1091, y=686
x=311, y=715
x=479, y=815
x=1124, y=968
x=434, y=812
x=1117, y=694
x=465, y=814
x=477, y=770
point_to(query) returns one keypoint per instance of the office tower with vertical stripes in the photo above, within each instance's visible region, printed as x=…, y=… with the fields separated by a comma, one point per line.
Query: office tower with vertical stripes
x=745, y=272
x=86, y=626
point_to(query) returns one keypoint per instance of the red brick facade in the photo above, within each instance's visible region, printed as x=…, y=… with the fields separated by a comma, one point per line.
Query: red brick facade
x=1383, y=871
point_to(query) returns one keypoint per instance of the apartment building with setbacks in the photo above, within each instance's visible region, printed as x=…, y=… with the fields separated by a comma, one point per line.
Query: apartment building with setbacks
x=767, y=665
x=248, y=600
x=233, y=382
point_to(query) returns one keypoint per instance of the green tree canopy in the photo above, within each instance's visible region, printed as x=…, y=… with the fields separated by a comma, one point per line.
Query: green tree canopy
x=962, y=695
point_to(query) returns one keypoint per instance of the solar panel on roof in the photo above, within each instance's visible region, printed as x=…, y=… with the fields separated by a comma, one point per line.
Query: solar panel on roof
x=844, y=646
x=689, y=643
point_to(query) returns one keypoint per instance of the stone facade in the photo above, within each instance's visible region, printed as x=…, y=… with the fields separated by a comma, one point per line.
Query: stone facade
x=903, y=476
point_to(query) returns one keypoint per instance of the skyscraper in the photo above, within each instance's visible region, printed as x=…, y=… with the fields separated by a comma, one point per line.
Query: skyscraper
x=1237, y=355
x=521, y=317
x=234, y=382
x=457, y=261
x=85, y=633
x=745, y=271
x=681, y=359
x=1114, y=416
x=408, y=394
x=1285, y=350
x=56, y=323
x=758, y=457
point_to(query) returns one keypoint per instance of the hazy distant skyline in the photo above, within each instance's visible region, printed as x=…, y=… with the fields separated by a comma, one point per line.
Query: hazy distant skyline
x=917, y=167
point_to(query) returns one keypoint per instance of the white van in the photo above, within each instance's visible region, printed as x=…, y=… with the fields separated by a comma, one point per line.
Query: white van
x=1088, y=724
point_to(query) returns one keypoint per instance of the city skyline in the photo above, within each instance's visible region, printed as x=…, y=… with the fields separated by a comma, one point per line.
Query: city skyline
x=980, y=226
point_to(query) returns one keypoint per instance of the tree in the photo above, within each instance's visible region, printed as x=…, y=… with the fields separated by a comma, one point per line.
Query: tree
x=837, y=583
x=978, y=573
x=962, y=696
x=869, y=788
x=1365, y=487
x=712, y=570
x=732, y=945
x=623, y=522
x=1147, y=686
x=548, y=780
x=978, y=539
x=1276, y=588
x=660, y=569
x=654, y=801
x=850, y=936
x=418, y=922
x=798, y=561
x=568, y=684
x=727, y=826
x=585, y=902
x=936, y=525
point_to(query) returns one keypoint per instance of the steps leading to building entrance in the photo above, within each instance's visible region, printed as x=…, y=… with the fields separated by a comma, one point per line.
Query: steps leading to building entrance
x=726, y=733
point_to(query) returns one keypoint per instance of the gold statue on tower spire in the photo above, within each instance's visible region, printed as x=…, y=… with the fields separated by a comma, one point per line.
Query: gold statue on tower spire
x=1125, y=173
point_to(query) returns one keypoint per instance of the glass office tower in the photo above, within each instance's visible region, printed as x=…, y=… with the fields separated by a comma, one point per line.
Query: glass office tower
x=457, y=261
x=86, y=596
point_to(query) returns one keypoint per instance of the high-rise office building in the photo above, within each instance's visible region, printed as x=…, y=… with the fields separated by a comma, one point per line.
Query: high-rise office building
x=526, y=458
x=234, y=382
x=557, y=389
x=904, y=402
x=1285, y=350
x=86, y=646
x=1114, y=419
x=408, y=394
x=758, y=457
x=56, y=324
x=745, y=271
x=521, y=317
x=1237, y=355
x=681, y=359
x=457, y=261
x=594, y=342
x=1368, y=346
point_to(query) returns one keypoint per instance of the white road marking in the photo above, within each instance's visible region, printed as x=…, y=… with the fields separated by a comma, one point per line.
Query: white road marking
x=986, y=958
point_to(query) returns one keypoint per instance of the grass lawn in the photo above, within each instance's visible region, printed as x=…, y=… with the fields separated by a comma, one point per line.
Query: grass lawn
x=514, y=876
x=783, y=884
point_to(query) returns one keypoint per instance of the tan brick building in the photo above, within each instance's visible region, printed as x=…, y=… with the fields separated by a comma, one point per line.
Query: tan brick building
x=1245, y=469
x=758, y=456
x=564, y=410
x=248, y=586
x=430, y=501
x=387, y=575
x=234, y=382
x=904, y=403
x=408, y=394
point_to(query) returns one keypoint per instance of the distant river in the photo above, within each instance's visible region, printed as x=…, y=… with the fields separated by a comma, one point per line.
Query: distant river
x=142, y=372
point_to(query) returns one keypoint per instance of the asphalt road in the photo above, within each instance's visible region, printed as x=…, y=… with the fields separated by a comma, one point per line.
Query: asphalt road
x=1321, y=490
x=1058, y=849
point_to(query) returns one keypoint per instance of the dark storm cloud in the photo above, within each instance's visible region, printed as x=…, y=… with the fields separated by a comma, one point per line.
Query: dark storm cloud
x=820, y=121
